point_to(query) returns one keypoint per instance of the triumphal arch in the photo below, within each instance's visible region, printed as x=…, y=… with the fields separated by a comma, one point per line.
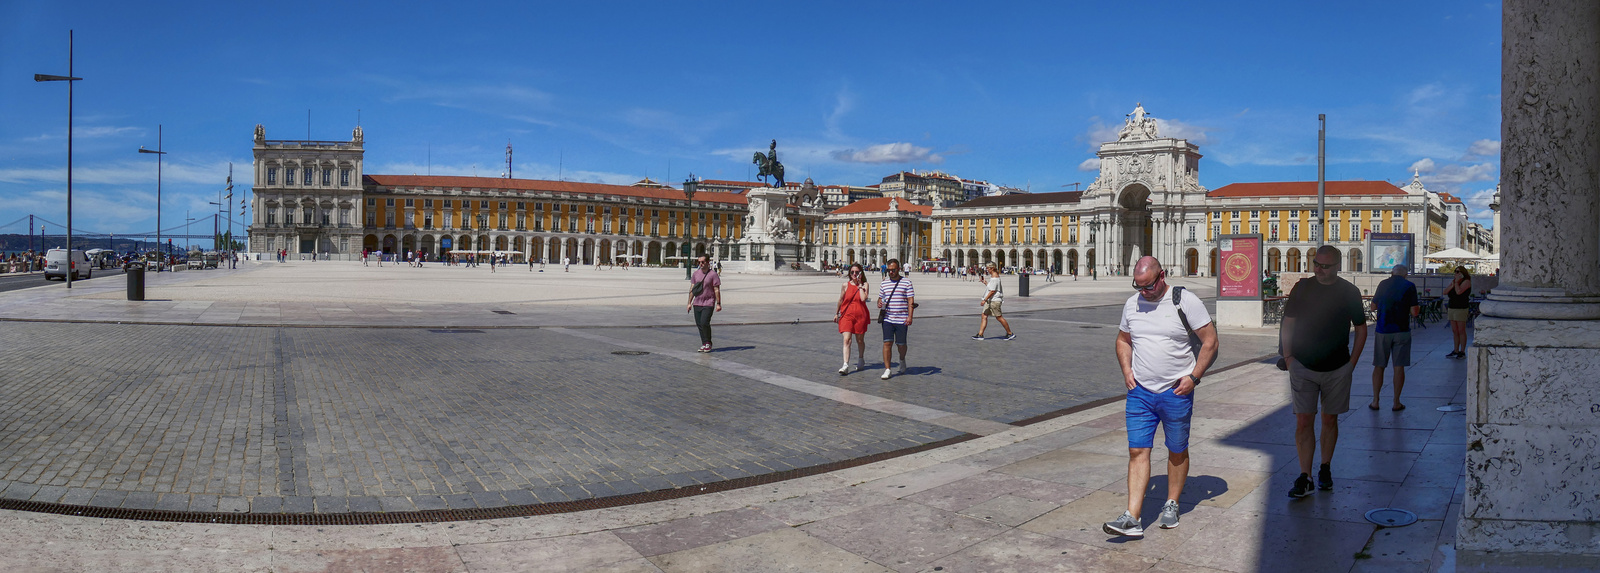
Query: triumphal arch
x=1147, y=199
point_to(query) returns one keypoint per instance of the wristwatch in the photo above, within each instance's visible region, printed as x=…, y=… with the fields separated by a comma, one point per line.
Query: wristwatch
x=1196, y=379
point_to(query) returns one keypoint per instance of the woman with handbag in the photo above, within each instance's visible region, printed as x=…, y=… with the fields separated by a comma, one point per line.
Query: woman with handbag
x=853, y=317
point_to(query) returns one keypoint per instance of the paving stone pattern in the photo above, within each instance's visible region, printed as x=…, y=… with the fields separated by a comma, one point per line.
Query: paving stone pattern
x=336, y=420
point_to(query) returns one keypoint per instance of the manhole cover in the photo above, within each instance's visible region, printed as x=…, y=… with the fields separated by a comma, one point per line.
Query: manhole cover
x=1391, y=517
x=629, y=352
x=455, y=331
x=503, y=312
x=1451, y=408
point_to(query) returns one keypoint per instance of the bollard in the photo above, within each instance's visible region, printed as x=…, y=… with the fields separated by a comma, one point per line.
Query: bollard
x=1022, y=284
x=135, y=282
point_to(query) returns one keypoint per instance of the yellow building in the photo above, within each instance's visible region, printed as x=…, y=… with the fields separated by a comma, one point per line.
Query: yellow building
x=872, y=231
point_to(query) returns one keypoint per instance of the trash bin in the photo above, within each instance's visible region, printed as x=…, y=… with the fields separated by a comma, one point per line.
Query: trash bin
x=1022, y=284
x=135, y=282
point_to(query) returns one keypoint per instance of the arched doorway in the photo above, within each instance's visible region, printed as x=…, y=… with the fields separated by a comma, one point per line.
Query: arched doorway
x=427, y=244
x=1353, y=259
x=605, y=251
x=1213, y=263
x=1191, y=260
x=1000, y=259
x=466, y=243
x=518, y=244
x=1027, y=258
x=553, y=251
x=500, y=243
x=947, y=258
x=572, y=250
x=587, y=254
x=1072, y=262
x=1294, y=260
x=653, y=255
x=369, y=243
x=1274, y=260
x=972, y=257
x=446, y=244
x=389, y=246
x=988, y=256
x=1089, y=262
x=409, y=243
x=1134, y=223
x=1055, y=262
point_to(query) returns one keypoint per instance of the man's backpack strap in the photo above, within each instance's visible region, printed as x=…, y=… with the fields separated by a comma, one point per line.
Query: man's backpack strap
x=1177, y=297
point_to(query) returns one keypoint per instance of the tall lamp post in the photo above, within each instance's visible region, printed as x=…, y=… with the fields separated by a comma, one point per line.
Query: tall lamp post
x=69, y=79
x=216, y=226
x=158, y=153
x=689, y=186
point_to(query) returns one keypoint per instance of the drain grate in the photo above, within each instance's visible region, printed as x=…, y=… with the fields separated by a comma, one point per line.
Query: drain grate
x=629, y=352
x=1391, y=517
x=503, y=312
x=455, y=331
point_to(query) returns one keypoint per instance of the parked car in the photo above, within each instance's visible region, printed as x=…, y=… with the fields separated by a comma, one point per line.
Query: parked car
x=57, y=263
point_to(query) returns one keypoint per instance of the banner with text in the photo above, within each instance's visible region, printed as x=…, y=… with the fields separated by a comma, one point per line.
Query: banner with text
x=1239, y=272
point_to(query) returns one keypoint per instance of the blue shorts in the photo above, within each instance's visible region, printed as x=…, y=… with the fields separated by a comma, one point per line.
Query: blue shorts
x=895, y=333
x=1145, y=409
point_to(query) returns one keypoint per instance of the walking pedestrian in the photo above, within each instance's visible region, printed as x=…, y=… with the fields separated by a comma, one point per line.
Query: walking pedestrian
x=853, y=317
x=991, y=306
x=897, y=303
x=491, y=262
x=1396, y=302
x=1458, y=302
x=1316, y=328
x=566, y=264
x=705, y=297
x=1161, y=367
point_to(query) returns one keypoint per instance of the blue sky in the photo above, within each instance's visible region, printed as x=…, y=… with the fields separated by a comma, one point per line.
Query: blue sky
x=1018, y=94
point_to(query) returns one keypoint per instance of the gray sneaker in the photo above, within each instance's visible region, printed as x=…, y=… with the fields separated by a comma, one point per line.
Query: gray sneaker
x=1126, y=525
x=1169, y=514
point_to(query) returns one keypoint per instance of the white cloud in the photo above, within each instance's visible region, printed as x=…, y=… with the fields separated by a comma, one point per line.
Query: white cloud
x=901, y=152
x=1175, y=128
x=1483, y=148
x=1090, y=164
x=1453, y=174
x=127, y=171
x=90, y=132
x=1424, y=165
x=844, y=101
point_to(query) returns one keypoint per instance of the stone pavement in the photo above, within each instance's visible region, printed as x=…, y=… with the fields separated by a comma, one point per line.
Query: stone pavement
x=1017, y=498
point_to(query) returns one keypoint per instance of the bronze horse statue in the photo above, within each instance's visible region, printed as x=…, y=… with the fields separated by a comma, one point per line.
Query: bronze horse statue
x=768, y=162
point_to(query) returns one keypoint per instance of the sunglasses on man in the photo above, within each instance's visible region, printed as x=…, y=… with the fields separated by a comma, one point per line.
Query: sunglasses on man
x=1324, y=266
x=1153, y=283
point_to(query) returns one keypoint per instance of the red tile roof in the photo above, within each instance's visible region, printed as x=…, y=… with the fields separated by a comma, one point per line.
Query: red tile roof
x=526, y=185
x=877, y=204
x=1448, y=198
x=1305, y=188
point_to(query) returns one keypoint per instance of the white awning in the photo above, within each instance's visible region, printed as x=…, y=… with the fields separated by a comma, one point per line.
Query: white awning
x=1454, y=255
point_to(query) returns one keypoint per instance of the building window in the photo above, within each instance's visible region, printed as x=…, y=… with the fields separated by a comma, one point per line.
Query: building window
x=325, y=217
x=1216, y=230
x=1397, y=213
x=308, y=176
x=1396, y=228
x=1191, y=232
x=1255, y=214
x=272, y=178
x=388, y=202
x=288, y=176
x=409, y=203
x=1294, y=214
x=344, y=177
x=1333, y=230
x=1255, y=228
x=1235, y=215
x=272, y=216
x=1274, y=214
x=1294, y=231
x=327, y=178
x=502, y=221
x=1316, y=229
x=1234, y=228
x=1058, y=234
x=1355, y=233
x=388, y=219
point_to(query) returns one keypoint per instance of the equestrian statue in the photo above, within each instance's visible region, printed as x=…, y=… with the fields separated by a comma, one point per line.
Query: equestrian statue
x=769, y=165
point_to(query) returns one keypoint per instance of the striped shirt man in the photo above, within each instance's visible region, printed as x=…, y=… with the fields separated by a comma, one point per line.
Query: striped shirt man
x=896, y=297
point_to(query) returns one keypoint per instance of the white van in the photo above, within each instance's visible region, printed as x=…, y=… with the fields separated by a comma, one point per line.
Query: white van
x=56, y=264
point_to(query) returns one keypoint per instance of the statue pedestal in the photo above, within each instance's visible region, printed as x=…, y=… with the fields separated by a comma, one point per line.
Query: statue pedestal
x=769, y=257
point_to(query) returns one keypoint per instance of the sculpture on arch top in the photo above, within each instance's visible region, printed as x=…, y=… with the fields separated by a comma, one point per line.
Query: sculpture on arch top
x=1138, y=126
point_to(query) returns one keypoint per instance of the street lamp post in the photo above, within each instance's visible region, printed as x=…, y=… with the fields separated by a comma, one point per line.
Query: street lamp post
x=69, y=79
x=158, y=153
x=689, y=186
x=216, y=224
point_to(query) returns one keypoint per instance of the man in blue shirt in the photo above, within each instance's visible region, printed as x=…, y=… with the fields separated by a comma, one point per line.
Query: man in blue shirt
x=1396, y=302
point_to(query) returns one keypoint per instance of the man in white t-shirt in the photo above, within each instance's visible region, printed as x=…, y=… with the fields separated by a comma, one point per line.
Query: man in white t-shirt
x=991, y=305
x=1161, y=365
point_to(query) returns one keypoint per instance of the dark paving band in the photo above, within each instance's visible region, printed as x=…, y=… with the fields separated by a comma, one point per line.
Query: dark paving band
x=441, y=515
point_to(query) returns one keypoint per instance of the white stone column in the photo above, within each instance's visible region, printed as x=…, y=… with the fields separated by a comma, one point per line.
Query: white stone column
x=1532, y=432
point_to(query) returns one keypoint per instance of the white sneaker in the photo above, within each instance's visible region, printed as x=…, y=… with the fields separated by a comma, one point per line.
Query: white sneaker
x=887, y=373
x=844, y=369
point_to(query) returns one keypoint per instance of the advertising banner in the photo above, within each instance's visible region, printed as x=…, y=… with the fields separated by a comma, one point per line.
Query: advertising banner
x=1239, y=267
x=1389, y=249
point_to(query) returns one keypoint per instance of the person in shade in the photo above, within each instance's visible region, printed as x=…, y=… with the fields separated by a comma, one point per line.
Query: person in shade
x=1165, y=343
x=1315, y=333
x=1458, y=305
x=1396, y=303
x=705, y=297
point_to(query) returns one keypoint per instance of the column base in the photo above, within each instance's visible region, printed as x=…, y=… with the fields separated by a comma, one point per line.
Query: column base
x=1535, y=303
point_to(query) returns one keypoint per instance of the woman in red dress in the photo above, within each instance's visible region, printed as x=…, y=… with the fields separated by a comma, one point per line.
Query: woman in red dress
x=852, y=316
